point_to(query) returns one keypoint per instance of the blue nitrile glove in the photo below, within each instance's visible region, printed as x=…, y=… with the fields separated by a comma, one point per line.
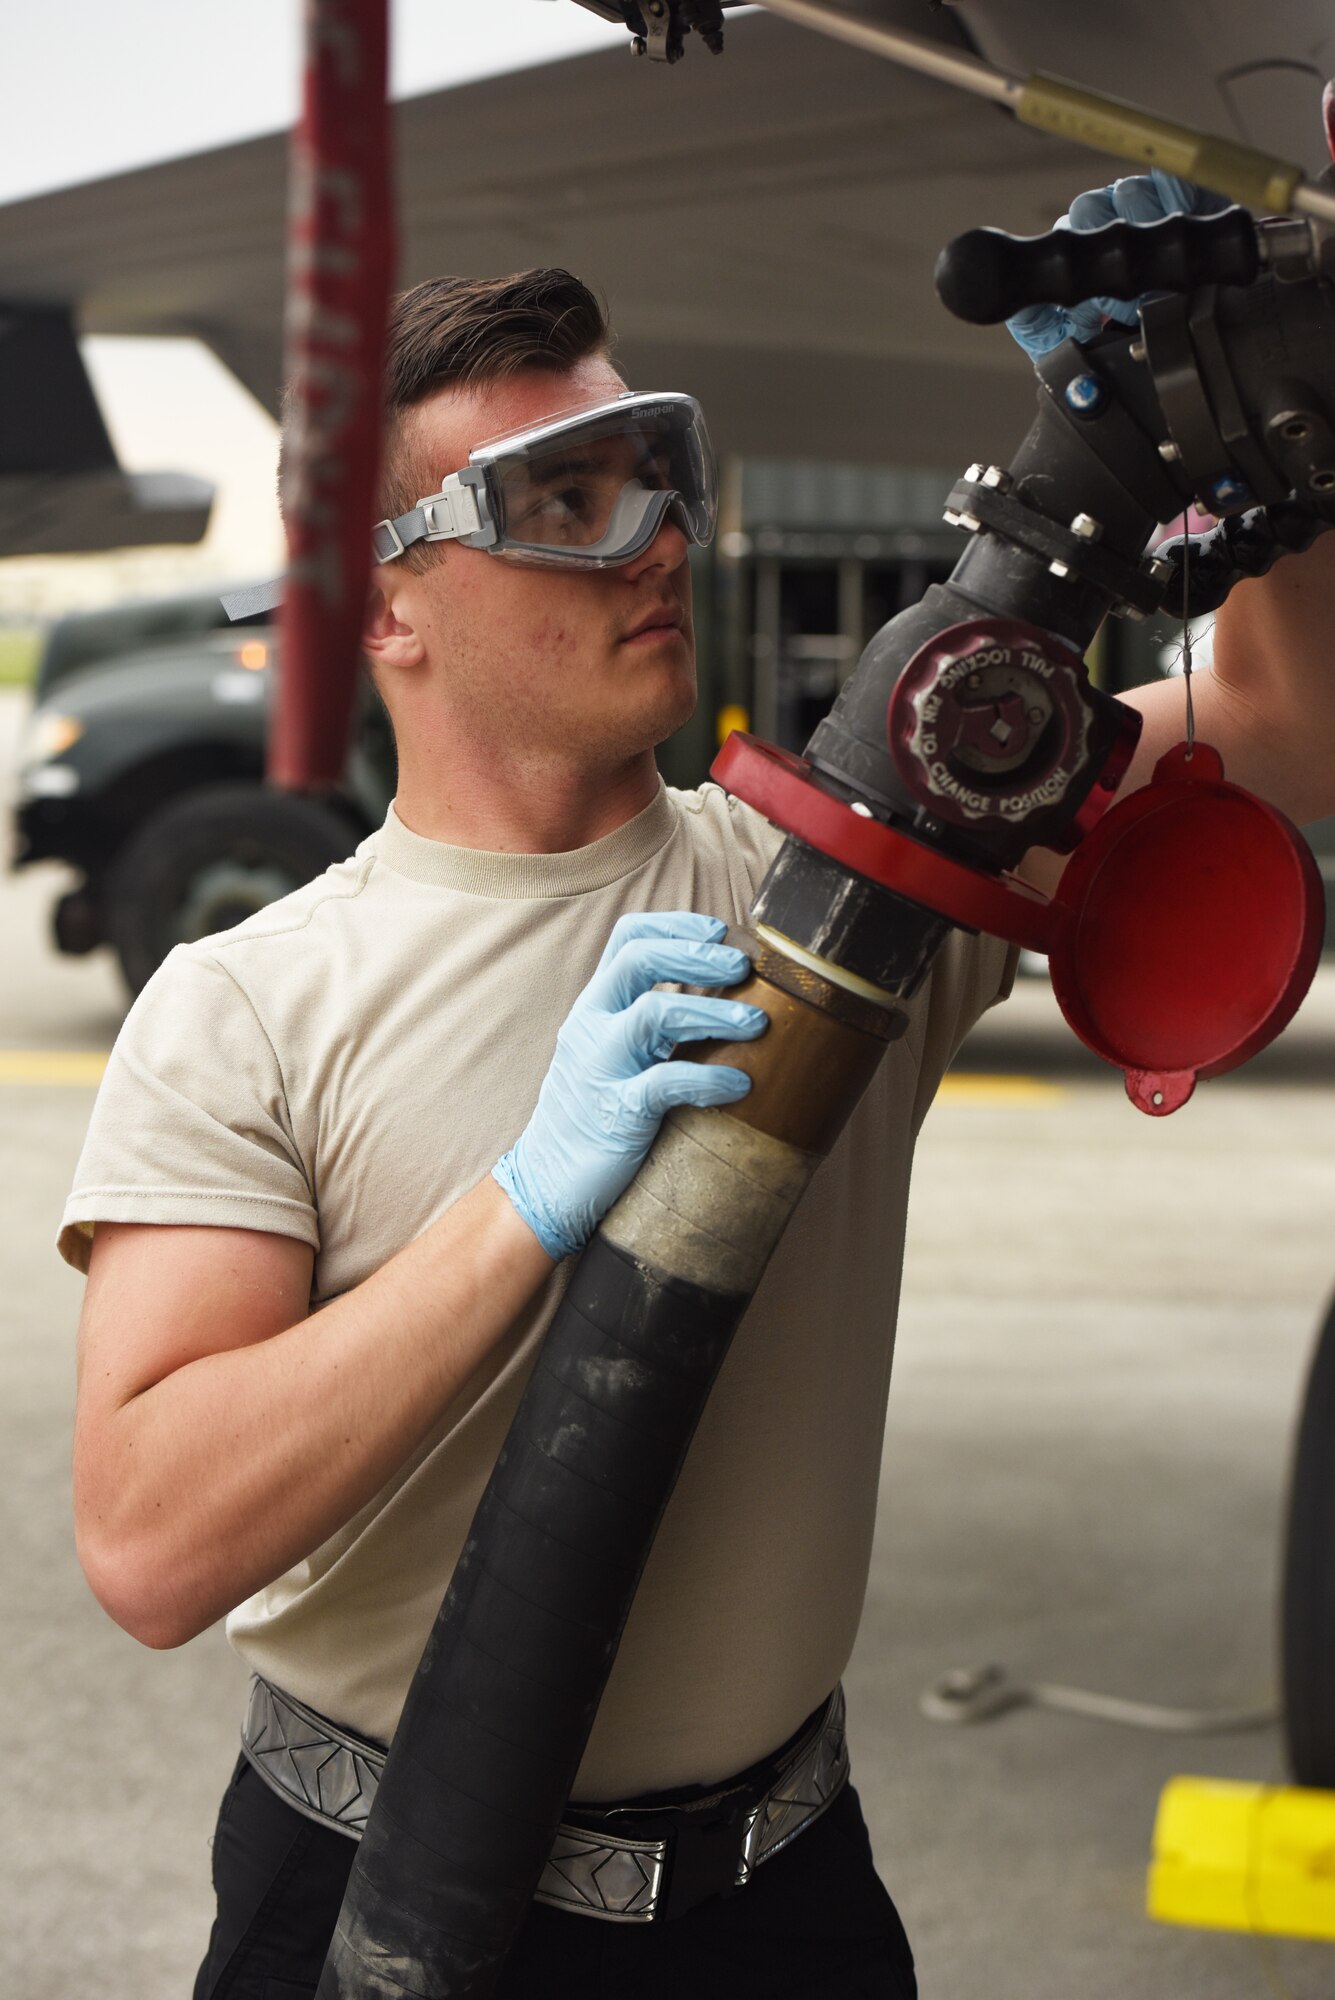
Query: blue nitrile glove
x=604, y=1097
x=1139, y=198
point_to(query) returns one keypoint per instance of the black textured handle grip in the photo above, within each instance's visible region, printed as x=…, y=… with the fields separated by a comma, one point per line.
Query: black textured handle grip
x=985, y=275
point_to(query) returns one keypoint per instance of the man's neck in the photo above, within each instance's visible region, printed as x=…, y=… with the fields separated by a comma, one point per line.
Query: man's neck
x=523, y=807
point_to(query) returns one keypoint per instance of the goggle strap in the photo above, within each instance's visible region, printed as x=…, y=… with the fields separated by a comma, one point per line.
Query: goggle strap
x=454, y=514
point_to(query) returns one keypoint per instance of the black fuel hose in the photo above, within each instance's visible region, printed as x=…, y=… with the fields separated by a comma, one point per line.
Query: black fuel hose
x=486, y=1753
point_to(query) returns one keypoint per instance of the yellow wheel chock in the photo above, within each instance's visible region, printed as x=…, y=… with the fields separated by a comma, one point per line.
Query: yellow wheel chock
x=1244, y=1857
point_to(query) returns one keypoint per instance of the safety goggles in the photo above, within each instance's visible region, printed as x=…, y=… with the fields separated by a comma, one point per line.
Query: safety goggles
x=587, y=490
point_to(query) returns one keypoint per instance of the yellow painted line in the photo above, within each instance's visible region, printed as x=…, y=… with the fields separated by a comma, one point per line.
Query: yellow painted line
x=965, y=1087
x=53, y=1067
x=84, y=1067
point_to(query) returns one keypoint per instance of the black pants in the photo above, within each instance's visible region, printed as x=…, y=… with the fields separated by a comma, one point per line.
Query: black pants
x=815, y=1921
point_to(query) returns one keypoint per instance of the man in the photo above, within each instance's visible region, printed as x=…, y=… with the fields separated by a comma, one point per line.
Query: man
x=336, y=1164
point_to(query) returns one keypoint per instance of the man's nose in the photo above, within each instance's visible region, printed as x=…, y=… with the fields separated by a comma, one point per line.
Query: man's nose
x=667, y=551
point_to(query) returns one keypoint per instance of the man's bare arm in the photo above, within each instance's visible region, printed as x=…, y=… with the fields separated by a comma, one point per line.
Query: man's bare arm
x=223, y=1432
x=1267, y=703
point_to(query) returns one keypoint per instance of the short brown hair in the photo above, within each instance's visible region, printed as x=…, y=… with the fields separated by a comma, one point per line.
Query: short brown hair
x=456, y=331
x=450, y=331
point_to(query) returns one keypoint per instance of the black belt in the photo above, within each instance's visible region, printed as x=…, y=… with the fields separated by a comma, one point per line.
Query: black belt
x=631, y=1862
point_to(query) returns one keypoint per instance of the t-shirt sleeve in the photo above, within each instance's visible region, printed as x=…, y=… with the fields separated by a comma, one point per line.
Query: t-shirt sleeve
x=191, y=1122
x=970, y=974
x=747, y=841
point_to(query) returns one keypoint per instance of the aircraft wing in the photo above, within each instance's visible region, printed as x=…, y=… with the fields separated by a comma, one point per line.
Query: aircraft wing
x=764, y=223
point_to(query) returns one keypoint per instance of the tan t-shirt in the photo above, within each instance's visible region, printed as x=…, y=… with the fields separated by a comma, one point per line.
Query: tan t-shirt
x=344, y=1066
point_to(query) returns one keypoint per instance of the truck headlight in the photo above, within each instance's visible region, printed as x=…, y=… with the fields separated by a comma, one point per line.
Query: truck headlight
x=48, y=735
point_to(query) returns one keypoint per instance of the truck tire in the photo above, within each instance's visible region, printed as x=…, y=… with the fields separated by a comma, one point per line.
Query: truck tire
x=205, y=861
x=1307, y=1622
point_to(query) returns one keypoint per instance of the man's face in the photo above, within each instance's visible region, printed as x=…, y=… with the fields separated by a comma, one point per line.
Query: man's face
x=596, y=662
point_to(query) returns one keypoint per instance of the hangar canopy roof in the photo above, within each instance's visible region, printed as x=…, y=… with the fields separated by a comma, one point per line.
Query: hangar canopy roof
x=764, y=224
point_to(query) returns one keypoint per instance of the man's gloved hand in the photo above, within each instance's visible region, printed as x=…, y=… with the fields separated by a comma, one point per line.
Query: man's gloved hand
x=604, y=1097
x=1138, y=198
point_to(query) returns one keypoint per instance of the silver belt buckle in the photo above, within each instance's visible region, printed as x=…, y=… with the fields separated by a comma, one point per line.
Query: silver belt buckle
x=621, y=1880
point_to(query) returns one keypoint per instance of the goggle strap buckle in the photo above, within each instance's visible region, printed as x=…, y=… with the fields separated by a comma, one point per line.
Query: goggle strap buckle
x=452, y=513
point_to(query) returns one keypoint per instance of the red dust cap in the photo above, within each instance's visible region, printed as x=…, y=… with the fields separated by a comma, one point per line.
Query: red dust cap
x=1188, y=926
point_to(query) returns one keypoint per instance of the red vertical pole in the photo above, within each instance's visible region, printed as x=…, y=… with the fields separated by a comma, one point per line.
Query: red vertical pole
x=340, y=265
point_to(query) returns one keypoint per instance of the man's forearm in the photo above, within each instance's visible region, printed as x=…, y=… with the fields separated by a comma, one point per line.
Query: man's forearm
x=223, y=1433
x=1267, y=703
x=208, y=1483
x=1274, y=682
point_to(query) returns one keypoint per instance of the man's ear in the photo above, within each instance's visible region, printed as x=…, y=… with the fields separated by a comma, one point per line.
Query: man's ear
x=388, y=639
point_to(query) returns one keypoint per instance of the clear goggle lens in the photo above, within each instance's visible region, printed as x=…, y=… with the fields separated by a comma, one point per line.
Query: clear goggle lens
x=595, y=489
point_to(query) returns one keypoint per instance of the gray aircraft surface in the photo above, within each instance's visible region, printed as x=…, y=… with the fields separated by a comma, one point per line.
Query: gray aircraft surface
x=764, y=225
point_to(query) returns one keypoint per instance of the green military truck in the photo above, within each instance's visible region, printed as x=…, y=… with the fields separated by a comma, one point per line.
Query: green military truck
x=142, y=767
x=142, y=764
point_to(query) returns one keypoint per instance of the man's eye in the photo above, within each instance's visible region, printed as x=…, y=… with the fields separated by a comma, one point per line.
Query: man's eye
x=567, y=507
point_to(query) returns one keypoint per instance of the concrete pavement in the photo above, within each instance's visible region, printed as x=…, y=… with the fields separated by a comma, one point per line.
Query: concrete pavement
x=1104, y=1328
x=1093, y=1400
x=118, y=1754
